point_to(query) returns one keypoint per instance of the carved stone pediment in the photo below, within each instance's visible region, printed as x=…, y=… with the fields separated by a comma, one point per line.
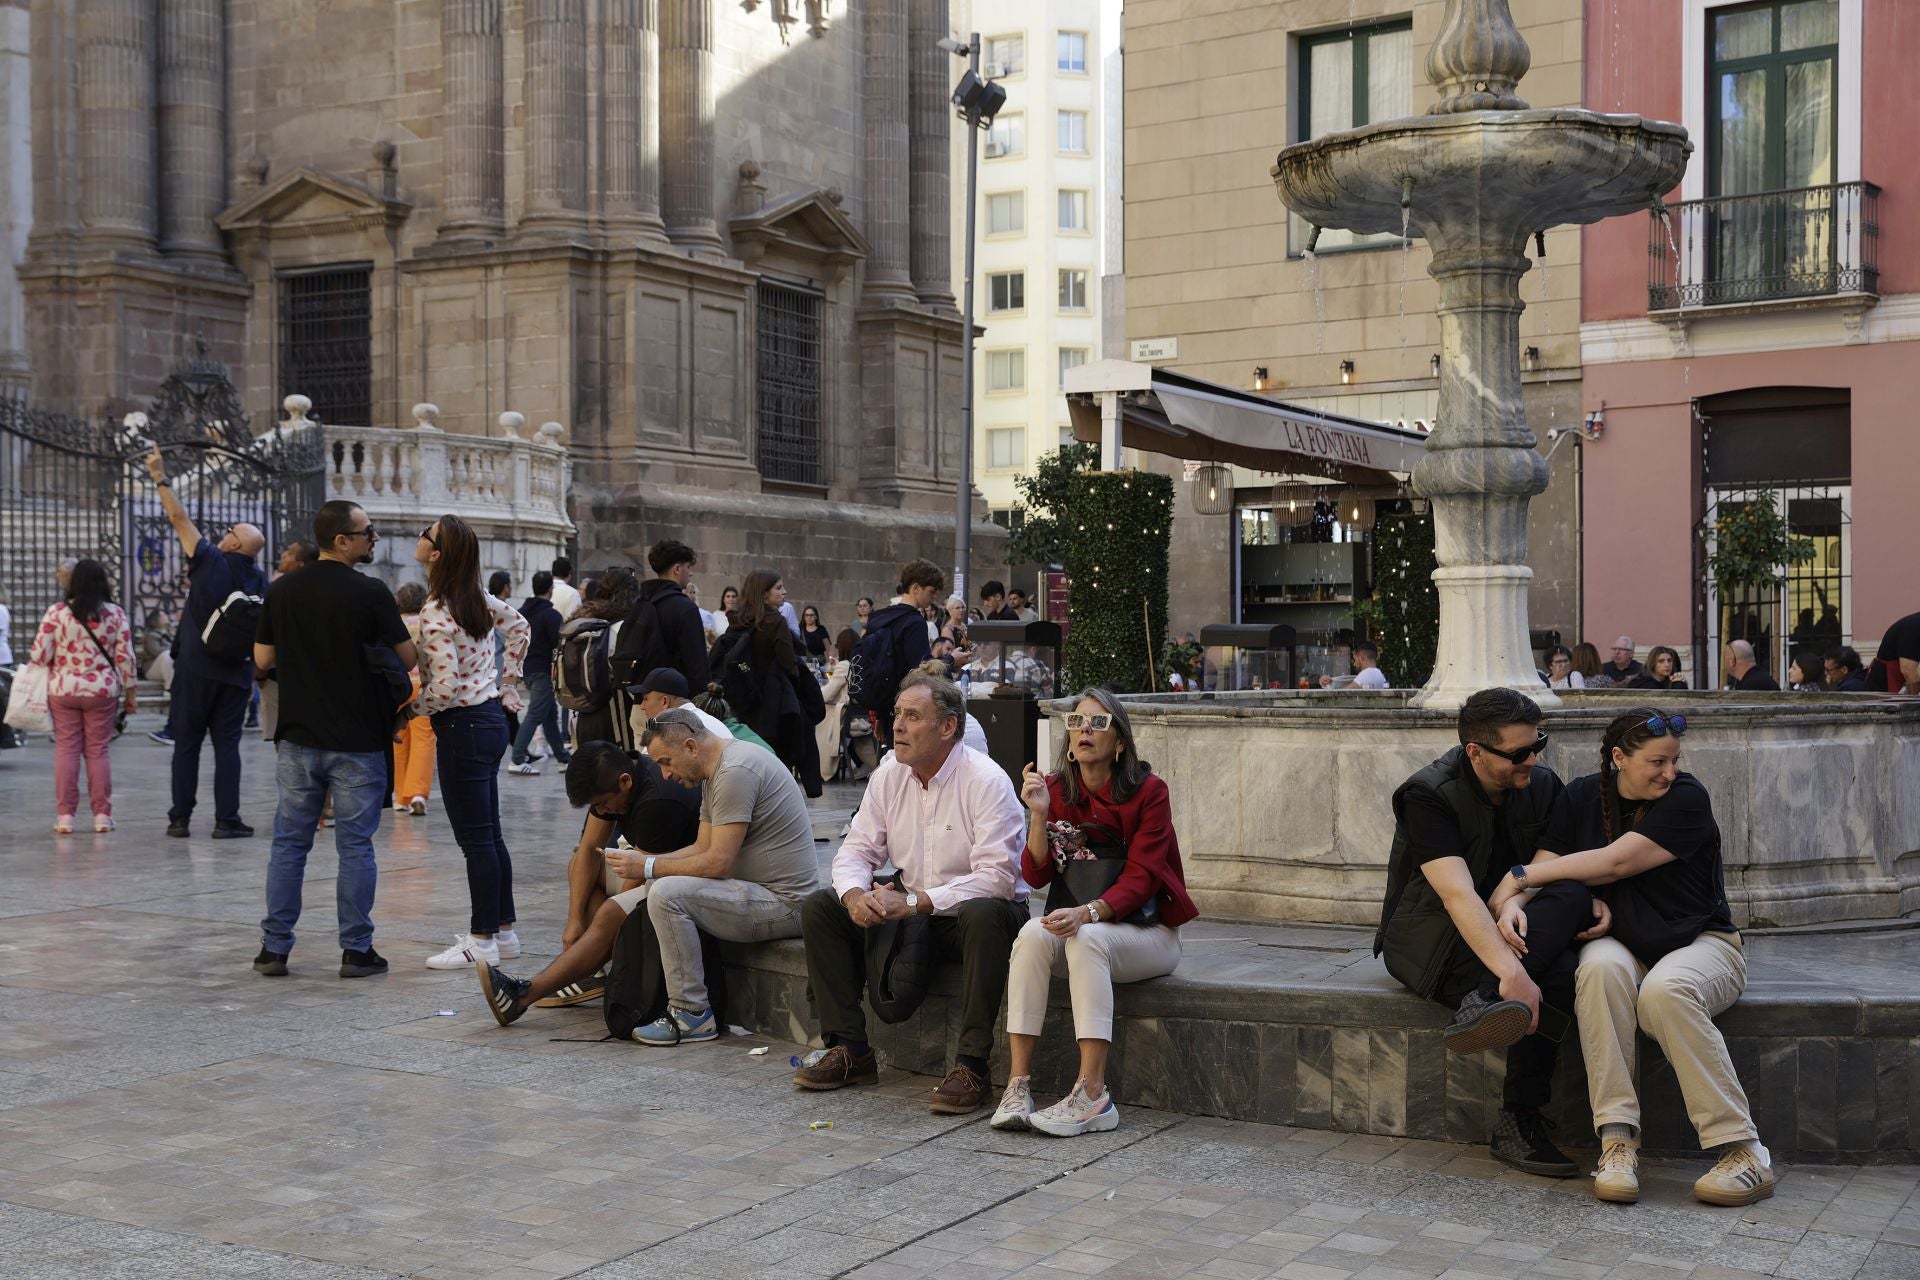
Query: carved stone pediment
x=807, y=226
x=308, y=201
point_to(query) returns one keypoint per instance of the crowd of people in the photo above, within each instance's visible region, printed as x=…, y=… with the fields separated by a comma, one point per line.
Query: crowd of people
x=1524, y=905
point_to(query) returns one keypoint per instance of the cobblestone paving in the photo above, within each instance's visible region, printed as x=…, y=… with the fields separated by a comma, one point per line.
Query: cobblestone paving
x=165, y=1112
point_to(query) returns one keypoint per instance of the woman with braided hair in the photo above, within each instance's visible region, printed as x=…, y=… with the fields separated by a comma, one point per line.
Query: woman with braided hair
x=1671, y=962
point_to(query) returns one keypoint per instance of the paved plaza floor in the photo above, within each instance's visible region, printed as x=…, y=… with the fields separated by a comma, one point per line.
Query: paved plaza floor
x=166, y=1112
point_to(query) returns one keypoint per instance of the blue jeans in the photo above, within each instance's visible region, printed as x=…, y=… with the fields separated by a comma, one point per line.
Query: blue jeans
x=542, y=713
x=202, y=708
x=358, y=781
x=468, y=743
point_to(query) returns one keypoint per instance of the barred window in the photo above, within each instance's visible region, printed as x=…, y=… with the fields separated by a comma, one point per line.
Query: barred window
x=787, y=363
x=326, y=342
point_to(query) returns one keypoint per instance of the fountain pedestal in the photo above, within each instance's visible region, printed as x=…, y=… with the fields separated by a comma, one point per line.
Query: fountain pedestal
x=1476, y=178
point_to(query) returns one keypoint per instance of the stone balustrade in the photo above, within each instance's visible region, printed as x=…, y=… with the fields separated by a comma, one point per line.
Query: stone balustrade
x=511, y=487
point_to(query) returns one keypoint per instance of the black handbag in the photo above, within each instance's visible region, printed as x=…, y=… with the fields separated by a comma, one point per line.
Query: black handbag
x=1088, y=860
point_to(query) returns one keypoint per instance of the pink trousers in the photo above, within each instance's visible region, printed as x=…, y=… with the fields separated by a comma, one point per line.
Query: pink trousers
x=82, y=727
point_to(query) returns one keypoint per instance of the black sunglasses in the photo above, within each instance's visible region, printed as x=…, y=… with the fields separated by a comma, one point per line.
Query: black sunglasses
x=369, y=533
x=1661, y=726
x=1518, y=755
x=427, y=533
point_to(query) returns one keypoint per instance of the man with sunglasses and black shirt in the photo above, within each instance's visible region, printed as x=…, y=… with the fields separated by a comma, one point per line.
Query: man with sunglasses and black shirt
x=1488, y=805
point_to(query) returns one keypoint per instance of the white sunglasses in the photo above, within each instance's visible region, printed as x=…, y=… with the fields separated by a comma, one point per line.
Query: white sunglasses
x=1097, y=723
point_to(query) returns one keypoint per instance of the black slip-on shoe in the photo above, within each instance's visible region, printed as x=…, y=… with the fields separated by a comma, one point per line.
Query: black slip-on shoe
x=270, y=964
x=178, y=828
x=362, y=964
x=1486, y=1022
x=231, y=831
x=1520, y=1139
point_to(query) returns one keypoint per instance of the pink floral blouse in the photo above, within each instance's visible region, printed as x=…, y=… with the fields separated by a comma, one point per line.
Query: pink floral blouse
x=457, y=670
x=78, y=669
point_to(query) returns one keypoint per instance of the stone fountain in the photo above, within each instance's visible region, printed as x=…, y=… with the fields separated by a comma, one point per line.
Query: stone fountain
x=1282, y=799
x=1477, y=177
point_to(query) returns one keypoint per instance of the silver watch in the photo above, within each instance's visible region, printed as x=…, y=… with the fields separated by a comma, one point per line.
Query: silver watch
x=913, y=903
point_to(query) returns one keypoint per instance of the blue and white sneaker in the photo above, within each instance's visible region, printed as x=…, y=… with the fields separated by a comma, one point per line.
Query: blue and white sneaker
x=1076, y=1114
x=678, y=1027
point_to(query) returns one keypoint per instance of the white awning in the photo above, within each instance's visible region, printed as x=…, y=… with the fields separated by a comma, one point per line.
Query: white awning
x=1172, y=414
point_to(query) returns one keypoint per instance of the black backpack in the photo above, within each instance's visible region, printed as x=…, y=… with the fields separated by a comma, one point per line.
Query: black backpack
x=637, y=982
x=873, y=682
x=640, y=649
x=228, y=635
x=739, y=681
x=582, y=676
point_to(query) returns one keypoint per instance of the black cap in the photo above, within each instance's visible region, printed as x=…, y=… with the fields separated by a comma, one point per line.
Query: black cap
x=663, y=680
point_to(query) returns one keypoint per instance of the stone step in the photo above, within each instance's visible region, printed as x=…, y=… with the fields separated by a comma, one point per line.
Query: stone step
x=1301, y=1026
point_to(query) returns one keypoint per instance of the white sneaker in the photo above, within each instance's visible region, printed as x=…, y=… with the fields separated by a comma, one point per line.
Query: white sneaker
x=1741, y=1177
x=417, y=806
x=509, y=943
x=102, y=824
x=1016, y=1105
x=63, y=825
x=1617, y=1178
x=527, y=770
x=1076, y=1114
x=399, y=807
x=466, y=952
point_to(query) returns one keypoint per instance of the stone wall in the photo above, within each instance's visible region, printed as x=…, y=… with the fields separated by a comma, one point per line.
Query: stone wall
x=1283, y=804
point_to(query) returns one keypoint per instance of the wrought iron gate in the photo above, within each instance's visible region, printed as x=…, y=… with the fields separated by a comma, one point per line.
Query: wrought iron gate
x=1810, y=605
x=72, y=488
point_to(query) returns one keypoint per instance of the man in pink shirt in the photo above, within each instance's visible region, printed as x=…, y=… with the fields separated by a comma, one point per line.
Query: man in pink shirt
x=947, y=818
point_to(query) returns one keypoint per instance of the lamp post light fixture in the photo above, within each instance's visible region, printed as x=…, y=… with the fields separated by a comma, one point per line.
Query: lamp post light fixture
x=1346, y=372
x=1260, y=377
x=1433, y=364
x=1531, y=356
x=976, y=102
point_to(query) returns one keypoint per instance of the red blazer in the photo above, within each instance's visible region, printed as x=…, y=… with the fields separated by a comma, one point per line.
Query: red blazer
x=1145, y=821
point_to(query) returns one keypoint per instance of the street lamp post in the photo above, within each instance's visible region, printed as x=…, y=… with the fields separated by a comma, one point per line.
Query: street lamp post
x=978, y=101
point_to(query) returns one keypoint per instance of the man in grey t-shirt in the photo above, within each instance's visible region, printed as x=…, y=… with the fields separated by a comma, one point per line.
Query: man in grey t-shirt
x=745, y=877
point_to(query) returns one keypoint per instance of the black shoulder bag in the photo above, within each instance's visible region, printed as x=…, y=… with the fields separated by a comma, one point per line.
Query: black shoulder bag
x=1088, y=860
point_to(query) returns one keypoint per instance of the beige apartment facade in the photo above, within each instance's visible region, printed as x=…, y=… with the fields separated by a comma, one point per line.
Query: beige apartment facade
x=1216, y=273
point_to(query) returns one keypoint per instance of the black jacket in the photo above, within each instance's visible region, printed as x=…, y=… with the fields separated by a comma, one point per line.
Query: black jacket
x=676, y=636
x=1419, y=939
x=545, y=621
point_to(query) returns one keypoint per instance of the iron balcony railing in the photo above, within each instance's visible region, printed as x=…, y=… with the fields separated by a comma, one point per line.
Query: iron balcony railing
x=1775, y=246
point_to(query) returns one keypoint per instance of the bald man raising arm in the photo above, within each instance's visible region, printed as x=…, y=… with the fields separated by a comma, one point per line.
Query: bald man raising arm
x=209, y=693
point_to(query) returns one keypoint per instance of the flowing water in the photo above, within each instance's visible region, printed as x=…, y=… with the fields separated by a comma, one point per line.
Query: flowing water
x=1319, y=311
x=1406, y=249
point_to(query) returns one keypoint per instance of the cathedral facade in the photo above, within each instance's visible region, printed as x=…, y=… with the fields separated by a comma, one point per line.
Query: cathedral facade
x=709, y=239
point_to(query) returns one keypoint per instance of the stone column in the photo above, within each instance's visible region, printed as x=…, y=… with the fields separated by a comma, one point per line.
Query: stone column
x=473, y=105
x=884, y=102
x=16, y=194
x=117, y=193
x=1480, y=470
x=555, y=88
x=929, y=152
x=686, y=124
x=631, y=119
x=193, y=126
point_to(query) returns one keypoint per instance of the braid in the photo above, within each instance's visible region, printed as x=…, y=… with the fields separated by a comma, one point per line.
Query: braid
x=1609, y=793
x=1627, y=732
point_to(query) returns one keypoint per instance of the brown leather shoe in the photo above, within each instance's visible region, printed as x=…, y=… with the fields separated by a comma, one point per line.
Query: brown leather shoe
x=963, y=1090
x=837, y=1069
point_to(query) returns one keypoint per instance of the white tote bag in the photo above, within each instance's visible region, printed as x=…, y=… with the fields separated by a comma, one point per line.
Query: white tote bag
x=27, y=704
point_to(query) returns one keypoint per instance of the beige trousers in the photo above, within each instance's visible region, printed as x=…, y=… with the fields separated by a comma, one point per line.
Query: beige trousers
x=1094, y=958
x=1675, y=1003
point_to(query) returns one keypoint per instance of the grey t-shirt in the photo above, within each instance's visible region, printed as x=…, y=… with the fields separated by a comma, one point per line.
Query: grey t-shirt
x=752, y=786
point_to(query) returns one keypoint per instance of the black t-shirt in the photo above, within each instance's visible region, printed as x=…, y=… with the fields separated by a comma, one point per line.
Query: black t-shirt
x=1901, y=641
x=1666, y=907
x=212, y=576
x=1757, y=679
x=320, y=620
x=664, y=816
x=1433, y=831
x=1621, y=674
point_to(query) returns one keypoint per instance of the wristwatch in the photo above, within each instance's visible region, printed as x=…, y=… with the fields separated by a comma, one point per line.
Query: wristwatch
x=913, y=903
x=1519, y=874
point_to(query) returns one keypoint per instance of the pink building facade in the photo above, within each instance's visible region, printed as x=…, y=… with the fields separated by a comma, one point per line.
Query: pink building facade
x=1758, y=349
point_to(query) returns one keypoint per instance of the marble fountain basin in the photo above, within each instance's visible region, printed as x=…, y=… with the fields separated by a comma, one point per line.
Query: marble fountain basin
x=1486, y=178
x=1282, y=800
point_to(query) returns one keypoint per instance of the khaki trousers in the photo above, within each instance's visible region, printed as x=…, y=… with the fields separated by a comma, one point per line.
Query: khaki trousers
x=1674, y=1002
x=1094, y=958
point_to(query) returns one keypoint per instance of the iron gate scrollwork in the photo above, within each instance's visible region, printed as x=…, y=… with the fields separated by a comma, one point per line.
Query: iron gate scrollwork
x=72, y=488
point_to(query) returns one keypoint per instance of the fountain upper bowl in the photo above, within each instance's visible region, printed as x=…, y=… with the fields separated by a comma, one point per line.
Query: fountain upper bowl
x=1483, y=178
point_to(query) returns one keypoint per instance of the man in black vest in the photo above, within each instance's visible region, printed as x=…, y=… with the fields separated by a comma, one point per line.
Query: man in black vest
x=1460, y=824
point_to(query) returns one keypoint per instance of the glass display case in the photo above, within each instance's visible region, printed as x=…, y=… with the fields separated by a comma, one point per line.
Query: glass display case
x=1241, y=656
x=1013, y=656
